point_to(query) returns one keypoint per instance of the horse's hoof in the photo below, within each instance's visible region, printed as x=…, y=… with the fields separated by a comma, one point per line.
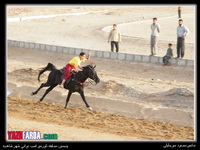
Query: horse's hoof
x=90, y=108
x=32, y=93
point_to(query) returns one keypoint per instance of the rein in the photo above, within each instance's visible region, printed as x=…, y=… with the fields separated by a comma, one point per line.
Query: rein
x=79, y=81
x=89, y=80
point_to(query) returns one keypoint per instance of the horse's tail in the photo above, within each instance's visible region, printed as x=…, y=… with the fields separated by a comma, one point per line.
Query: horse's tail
x=49, y=67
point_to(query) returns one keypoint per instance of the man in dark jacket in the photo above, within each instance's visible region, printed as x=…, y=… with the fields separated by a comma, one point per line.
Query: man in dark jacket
x=168, y=55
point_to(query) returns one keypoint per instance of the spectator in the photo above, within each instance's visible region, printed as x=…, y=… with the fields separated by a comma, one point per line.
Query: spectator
x=115, y=38
x=182, y=32
x=168, y=55
x=155, y=30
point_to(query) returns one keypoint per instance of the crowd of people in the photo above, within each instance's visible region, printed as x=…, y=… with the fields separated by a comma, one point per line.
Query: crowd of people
x=115, y=38
x=182, y=32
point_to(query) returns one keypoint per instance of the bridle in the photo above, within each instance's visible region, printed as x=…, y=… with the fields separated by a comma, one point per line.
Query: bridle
x=89, y=80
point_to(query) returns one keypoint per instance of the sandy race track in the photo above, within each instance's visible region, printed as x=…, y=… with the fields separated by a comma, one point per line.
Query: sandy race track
x=133, y=101
x=82, y=124
x=134, y=94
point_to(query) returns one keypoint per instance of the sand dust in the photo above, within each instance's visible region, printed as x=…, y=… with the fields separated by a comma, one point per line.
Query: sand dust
x=82, y=124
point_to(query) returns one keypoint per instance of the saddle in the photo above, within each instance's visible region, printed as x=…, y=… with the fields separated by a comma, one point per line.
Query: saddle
x=62, y=70
x=73, y=72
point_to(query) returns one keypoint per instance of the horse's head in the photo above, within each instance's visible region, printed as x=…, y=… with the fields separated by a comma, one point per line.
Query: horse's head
x=92, y=74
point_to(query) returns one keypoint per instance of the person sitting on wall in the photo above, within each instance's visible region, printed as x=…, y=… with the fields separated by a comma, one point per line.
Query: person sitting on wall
x=168, y=55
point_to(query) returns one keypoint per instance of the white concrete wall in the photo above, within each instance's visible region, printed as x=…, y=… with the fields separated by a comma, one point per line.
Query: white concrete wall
x=100, y=54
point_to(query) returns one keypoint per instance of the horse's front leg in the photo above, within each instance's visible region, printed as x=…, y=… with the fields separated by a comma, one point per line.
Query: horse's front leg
x=84, y=100
x=68, y=97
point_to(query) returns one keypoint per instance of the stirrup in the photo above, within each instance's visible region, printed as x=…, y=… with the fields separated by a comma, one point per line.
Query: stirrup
x=73, y=71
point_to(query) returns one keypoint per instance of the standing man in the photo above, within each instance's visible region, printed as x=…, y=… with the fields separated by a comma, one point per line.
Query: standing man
x=182, y=32
x=115, y=38
x=179, y=11
x=155, y=30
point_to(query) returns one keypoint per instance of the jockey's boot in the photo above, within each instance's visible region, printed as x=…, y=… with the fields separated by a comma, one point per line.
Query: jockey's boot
x=67, y=82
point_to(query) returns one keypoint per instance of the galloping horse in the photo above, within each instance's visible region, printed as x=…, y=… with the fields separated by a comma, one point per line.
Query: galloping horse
x=75, y=85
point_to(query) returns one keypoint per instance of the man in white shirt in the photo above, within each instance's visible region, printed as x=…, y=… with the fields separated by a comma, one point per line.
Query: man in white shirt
x=115, y=37
x=155, y=30
x=182, y=32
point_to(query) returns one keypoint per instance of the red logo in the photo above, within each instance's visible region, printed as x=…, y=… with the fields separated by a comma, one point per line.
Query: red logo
x=15, y=135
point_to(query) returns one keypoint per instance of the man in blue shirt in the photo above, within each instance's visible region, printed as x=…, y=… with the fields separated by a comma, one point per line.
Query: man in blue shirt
x=182, y=32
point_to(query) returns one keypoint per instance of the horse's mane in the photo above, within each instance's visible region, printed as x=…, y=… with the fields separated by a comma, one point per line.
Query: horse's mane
x=89, y=66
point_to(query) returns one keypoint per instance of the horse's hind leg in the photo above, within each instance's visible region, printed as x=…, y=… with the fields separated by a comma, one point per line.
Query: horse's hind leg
x=41, y=86
x=47, y=91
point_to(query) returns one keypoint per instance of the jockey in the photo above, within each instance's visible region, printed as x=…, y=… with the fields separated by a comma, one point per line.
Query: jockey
x=73, y=63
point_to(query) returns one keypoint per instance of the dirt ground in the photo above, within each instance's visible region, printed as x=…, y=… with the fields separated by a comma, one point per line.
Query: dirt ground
x=133, y=101
x=132, y=94
x=85, y=31
x=83, y=124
